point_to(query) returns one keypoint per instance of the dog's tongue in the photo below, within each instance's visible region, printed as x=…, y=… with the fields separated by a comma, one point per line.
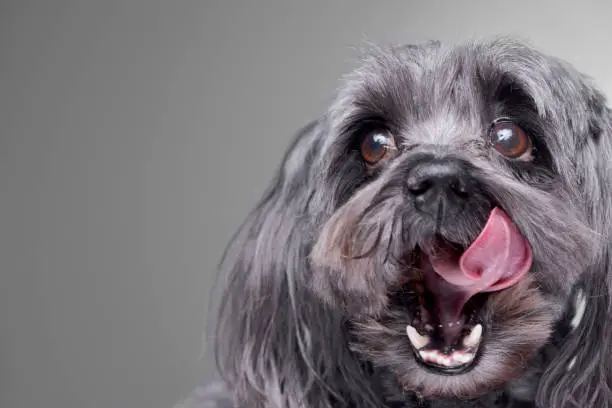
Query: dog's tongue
x=498, y=258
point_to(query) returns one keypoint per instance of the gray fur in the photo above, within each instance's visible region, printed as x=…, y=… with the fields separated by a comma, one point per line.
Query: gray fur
x=308, y=318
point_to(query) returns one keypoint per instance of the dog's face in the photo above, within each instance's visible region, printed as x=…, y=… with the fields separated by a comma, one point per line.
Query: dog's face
x=431, y=232
x=451, y=214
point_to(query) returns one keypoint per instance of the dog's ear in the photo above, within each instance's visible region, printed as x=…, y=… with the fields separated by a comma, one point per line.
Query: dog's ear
x=277, y=345
x=580, y=375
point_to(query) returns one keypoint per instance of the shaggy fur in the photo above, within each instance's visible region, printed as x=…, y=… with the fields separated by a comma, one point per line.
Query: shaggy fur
x=310, y=317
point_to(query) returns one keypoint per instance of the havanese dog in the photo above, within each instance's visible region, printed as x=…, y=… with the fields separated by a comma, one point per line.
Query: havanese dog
x=439, y=237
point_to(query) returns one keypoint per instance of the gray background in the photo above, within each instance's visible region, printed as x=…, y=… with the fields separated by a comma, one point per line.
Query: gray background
x=135, y=136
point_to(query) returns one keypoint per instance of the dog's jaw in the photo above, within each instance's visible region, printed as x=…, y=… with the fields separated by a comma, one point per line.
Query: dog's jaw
x=502, y=355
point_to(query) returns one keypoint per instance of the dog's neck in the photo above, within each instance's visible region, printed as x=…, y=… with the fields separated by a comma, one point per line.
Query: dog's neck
x=517, y=394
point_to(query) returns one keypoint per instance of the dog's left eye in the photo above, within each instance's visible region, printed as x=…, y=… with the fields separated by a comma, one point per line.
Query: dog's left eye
x=377, y=147
x=510, y=140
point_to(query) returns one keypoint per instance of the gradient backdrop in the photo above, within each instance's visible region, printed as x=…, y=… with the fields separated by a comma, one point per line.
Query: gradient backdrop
x=134, y=137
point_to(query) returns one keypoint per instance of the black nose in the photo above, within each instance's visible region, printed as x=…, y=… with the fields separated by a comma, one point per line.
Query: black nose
x=440, y=185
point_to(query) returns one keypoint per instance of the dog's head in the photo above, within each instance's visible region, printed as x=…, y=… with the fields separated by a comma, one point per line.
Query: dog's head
x=443, y=211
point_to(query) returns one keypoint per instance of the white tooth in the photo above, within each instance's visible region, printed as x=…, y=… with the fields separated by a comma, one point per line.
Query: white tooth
x=466, y=358
x=418, y=341
x=473, y=339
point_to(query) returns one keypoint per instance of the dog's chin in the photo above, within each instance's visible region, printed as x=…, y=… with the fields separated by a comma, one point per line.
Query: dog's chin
x=440, y=345
x=496, y=337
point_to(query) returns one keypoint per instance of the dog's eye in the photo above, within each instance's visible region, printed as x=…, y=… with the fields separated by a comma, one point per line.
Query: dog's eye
x=510, y=140
x=377, y=147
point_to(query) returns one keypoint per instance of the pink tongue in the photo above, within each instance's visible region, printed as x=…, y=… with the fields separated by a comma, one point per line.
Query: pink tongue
x=498, y=258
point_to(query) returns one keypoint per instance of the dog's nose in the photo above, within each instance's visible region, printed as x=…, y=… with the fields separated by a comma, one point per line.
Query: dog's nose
x=439, y=185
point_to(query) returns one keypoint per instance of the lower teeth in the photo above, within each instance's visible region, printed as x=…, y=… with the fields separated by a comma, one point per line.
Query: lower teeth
x=455, y=358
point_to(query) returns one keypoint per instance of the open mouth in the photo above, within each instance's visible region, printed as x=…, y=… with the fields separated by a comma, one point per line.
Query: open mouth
x=448, y=293
x=448, y=347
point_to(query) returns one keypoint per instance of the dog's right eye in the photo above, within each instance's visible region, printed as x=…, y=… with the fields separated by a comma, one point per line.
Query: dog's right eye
x=377, y=147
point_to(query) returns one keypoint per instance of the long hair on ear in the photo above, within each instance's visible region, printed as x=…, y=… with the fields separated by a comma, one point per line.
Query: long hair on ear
x=277, y=345
x=580, y=376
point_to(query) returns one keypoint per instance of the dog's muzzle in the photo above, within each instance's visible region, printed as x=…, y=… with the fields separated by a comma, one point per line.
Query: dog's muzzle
x=443, y=192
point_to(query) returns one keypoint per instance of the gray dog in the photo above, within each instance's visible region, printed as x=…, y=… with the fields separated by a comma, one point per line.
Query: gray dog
x=440, y=237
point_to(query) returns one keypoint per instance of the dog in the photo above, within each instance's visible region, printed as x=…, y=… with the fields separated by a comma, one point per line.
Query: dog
x=439, y=237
